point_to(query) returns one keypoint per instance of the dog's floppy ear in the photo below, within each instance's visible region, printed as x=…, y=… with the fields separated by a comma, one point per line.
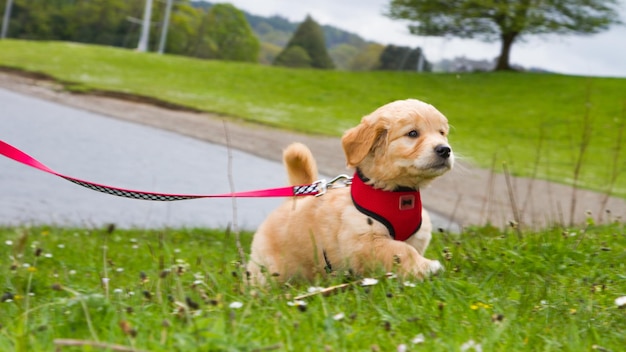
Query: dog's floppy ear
x=359, y=140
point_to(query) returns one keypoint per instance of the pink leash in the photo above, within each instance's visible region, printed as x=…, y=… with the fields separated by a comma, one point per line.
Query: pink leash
x=316, y=188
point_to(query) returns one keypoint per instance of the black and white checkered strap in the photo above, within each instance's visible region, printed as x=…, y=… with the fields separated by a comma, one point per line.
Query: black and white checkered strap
x=316, y=188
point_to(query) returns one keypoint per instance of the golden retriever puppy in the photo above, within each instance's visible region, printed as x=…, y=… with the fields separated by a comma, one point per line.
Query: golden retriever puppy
x=377, y=222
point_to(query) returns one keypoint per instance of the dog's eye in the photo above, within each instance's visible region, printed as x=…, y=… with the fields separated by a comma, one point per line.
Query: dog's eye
x=413, y=134
x=442, y=132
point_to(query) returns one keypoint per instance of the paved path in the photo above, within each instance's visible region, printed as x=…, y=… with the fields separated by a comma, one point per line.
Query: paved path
x=467, y=195
x=118, y=153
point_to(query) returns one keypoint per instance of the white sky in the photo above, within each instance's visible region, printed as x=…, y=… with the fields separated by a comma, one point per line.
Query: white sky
x=598, y=55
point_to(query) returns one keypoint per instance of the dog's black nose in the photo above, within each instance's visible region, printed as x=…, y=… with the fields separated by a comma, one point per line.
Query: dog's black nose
x=443, y=151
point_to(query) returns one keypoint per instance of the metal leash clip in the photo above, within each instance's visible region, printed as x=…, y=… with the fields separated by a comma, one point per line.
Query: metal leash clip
x=340, y=181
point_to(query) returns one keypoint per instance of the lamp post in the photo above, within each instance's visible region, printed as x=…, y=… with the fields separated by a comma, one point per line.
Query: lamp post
x=6, y=19
x=166, y=22
x=145, y=27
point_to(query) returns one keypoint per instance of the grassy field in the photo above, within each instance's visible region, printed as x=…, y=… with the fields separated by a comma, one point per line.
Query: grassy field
x=534, y=122
x=180, y=290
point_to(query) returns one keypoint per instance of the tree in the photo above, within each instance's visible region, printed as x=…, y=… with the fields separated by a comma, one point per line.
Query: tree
x=506, y=21
x=368, y=58
x=231, y=34
x=403, y=58
x=294, y=56
x=310, y=38
x=342, y=55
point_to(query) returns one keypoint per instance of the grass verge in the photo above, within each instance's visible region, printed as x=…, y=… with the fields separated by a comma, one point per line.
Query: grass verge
x=181, y=290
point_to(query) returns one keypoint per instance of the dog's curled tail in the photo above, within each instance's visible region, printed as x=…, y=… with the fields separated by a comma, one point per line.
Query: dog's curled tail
x=300, y=164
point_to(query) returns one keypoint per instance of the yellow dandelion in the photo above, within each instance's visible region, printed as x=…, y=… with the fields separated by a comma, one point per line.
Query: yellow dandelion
x=31, y=269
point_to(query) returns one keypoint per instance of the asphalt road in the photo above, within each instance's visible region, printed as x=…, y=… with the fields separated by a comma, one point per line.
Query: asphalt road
x=117, y=153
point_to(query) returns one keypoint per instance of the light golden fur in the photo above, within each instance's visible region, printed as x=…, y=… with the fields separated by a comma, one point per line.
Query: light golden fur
x=294, y=239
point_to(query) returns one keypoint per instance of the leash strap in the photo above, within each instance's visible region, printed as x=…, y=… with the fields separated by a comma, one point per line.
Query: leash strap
x=316, y=188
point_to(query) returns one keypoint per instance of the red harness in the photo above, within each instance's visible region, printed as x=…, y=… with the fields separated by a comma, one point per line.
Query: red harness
x=400, y=210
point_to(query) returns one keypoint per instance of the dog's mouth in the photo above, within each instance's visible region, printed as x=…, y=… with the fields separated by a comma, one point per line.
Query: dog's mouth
x=441, y=164
x=435, y=167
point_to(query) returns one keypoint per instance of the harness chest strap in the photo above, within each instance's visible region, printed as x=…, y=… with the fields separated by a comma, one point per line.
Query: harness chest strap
x=400, y=210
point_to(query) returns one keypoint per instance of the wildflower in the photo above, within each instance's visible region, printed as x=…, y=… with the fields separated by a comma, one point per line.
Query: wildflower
x=369, y=282
x=409, y=284
x=48, y=255
x=235, y=305
x=621, y=302
x=478, y=305
x=402, y=348
x=119, y=270
x=298, y=303
x=339, y=316
x=7, y=296
x=8, y=242
x=61, y=245
x=418, y=339
x=497, y=318
x=314, y=289
x=72, y=272
x=31, y=269
x=118, y=291
x=471, y=344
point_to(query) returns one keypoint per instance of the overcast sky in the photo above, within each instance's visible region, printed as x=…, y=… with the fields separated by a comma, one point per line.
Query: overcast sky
x=598, y=55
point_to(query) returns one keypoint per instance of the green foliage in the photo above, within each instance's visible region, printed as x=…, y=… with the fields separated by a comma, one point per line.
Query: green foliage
x=268, y=53
x=367, y=58
x=505, y=116
x=99, y=21
x=342, y=55
x=181, y=290
x=219, y=32
x=402, y=58
x=233, y=39
x=294, y=56
x=308, y=36
x=506, y=21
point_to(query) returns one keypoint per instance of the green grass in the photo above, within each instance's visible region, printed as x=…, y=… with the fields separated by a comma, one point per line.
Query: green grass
x=171, y=290
x=493, y=114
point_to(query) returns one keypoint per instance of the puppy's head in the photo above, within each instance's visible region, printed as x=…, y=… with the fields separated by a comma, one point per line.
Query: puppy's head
x=403, y=143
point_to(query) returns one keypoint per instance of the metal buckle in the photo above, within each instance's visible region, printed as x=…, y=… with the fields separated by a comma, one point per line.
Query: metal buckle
x=337, y=182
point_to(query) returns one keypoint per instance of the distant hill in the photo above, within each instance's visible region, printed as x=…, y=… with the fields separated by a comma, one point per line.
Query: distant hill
x=275, y=31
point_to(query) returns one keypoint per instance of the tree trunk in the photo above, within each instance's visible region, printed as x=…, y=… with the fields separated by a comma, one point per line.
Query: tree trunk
x=505, y=51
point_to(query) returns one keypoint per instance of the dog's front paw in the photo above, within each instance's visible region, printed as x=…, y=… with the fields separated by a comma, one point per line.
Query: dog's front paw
x=429, y=267
x=434, y=267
